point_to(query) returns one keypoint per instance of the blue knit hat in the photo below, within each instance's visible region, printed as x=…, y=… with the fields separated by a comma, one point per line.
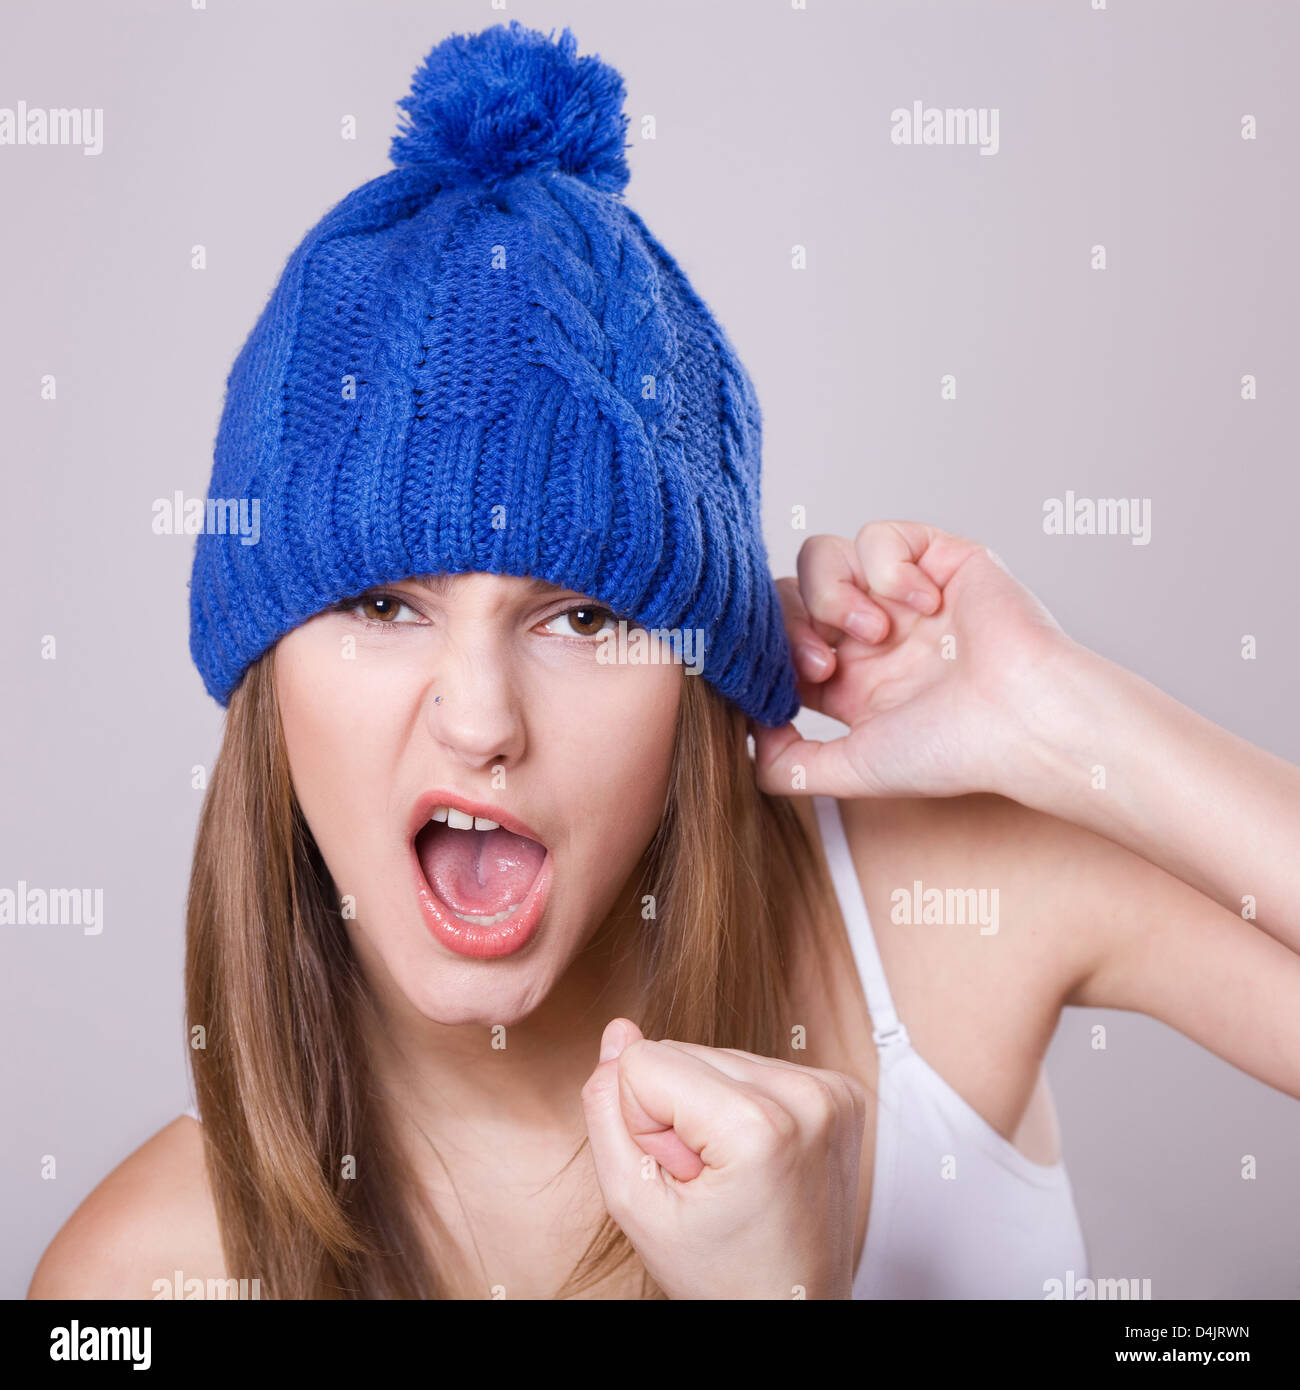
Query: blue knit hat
x=482, y=361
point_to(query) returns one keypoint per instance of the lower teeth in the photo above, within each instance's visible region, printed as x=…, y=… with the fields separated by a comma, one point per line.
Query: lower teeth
x=486, y=921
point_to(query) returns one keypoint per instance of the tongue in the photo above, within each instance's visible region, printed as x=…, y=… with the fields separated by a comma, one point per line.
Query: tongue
x=478, y=872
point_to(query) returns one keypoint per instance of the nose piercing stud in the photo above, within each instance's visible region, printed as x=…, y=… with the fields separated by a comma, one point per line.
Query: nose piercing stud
x=437, y=699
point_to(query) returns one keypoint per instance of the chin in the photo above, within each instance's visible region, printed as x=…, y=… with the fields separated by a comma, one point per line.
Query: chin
x=460, y=994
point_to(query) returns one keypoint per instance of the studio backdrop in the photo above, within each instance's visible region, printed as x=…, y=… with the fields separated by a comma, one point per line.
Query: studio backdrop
x=1086, y=290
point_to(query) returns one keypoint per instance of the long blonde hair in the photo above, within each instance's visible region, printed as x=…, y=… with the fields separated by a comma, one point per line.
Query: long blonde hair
x=283, y=1078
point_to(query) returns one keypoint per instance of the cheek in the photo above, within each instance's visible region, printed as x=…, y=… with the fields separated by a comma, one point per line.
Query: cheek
x=618, y=762
x=341, y=758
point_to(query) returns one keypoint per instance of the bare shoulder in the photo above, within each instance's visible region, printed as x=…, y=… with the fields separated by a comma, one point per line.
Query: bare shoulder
x=969, y=903
x=151, y=1216
x=1003, y=870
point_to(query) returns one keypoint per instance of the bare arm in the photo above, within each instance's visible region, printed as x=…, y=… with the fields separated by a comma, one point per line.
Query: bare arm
x=1110, y=752
x=1081, y=921
x=1135, y=937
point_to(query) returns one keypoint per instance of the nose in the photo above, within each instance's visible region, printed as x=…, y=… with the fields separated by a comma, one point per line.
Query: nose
x=472, y=709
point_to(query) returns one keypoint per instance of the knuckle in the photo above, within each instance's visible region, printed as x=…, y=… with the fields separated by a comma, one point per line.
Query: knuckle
x=769, y=1124
x=813, y=552
x=633, y=1053
x=877, y=533
x=823, y=1098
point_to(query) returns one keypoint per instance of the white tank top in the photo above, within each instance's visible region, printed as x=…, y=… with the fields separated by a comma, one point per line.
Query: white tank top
x=957, y=1211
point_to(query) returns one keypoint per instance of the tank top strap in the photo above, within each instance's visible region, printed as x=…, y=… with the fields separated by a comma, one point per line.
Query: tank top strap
x=887, y=1027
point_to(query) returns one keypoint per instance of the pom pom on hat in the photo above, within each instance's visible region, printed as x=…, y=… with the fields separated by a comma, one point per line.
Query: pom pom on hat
x=488, y=106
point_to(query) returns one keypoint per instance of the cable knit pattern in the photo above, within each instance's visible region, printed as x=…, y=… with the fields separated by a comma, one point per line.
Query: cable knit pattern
x=490, y=334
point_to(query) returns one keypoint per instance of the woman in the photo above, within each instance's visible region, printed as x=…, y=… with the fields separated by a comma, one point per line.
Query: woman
x=510, y=973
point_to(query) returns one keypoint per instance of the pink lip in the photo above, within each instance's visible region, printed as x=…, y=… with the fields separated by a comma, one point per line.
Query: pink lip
x=427, y=801
x=469, y=938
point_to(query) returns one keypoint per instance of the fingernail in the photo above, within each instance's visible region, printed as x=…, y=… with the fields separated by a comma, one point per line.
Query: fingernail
x=867, y=626
x=612, y=1041
x=921, y=600
x=813, y=658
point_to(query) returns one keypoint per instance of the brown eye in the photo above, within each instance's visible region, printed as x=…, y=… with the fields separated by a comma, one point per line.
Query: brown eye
x=587, y=621
x=382, y=608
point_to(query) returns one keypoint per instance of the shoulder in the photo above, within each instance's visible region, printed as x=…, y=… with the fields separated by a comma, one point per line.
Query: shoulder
x=952, y=832
x=1008, y=900
x=151, y=1216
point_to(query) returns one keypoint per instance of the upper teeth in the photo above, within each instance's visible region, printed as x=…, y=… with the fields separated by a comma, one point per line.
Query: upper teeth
x=462, y=820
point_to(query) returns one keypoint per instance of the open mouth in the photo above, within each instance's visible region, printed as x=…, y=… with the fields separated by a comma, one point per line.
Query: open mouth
x=483, y=884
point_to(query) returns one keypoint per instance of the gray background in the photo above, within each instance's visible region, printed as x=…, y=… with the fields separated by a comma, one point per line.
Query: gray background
x=1120, y=127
